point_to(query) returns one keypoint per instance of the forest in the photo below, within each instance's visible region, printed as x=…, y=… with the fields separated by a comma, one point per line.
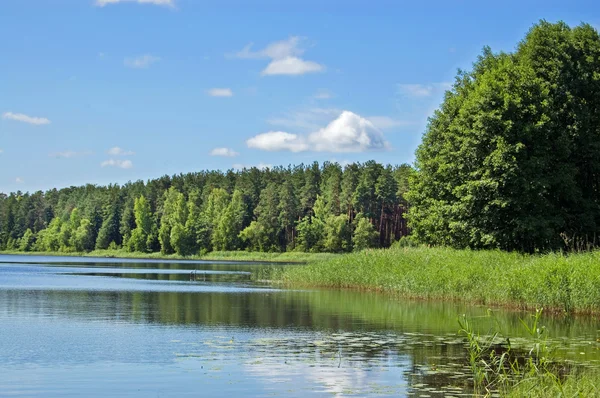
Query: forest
x=310, y=208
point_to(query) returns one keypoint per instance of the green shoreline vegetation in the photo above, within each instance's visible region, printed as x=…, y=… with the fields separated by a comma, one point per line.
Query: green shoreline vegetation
x=270, y=257
x=558, y=282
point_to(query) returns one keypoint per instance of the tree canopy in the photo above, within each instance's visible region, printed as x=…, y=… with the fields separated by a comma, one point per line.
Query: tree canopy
x=305, y=207
x=511, y=160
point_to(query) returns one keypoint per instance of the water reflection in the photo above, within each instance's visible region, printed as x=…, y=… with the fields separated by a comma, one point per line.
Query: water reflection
x=149, y=321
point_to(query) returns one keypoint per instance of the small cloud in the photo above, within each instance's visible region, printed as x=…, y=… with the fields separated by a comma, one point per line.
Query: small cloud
x=285, y=58
x=116, y=151
x=166, y=3
x=25, y=119
x=224, y=152
x=347, y=133
x=141, y=61
x=69, y=154
x=123, y=164
x=1, y=151
x=220, y=92
x=323, y=94
x=101, y=55
x=19, y=180
x=291, y=66
x=386, y=122
x=422, y=90
x=278, y=141
x=276, y=50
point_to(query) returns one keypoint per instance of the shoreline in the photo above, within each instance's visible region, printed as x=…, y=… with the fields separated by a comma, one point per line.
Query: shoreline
x=232, y=256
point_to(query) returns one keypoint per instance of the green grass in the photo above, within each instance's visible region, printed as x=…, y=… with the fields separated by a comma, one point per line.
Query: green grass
x=288, y=257
x=583, y=384
x=556, y=282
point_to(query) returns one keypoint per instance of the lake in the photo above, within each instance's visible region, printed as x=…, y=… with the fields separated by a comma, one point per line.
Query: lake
x=110, y=327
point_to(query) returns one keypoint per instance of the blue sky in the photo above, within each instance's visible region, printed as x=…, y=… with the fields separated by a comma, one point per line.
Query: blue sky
x=100, y=91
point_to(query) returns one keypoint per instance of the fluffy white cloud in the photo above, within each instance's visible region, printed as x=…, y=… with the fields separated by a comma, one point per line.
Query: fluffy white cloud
x=291, y=66
x=123, y=164
x=141, y=61
x=347, y=133
x=220, y=92
x=285, y=58
x=422, y=90
x=224, y=152
x=19, y=180
x=25, y=119
x=278, y=141
x=69, y=154
x=117, y=151
x=166, y=3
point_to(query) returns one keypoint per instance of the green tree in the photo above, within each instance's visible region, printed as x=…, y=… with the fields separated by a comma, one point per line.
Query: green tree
x=144, y=222
x=511, y=160
x=109, y=231
x=365, y=234
x=230, y=224
x=337, y=234
x=175, y=212
x=83, y=236
x=27, y=242
x=288, y=212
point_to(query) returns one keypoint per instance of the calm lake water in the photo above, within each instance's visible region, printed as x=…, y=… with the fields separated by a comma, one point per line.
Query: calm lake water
x=106, y=327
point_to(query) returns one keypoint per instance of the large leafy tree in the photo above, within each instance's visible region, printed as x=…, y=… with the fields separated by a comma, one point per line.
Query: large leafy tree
x=511, y=160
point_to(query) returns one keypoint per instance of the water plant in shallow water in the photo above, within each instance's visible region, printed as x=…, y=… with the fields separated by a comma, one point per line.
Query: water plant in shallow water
x=498, y=366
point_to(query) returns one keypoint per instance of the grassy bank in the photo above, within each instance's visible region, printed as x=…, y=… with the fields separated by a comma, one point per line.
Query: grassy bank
x=288, y=257
x=557, y=282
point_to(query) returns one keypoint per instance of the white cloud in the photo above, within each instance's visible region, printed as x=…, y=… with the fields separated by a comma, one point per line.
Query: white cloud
x=285, y=58
x=166, y=3
x=220, y=92
x=224, y=152
x=347, y=133
x=276, y=50
x=25, y=119
x=117, y=151
x=386, y=122
x=123, y=164
x=291, y=66
x=1, y=151
x=19, y=180
x=141, y=61
x=278, y=141
x=69, y=154
x=422, y=90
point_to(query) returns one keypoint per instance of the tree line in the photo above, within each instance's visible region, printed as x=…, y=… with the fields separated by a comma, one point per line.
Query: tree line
x=312, y=208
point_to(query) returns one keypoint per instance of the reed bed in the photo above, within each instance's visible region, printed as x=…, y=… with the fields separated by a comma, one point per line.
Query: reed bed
x=557, y=282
